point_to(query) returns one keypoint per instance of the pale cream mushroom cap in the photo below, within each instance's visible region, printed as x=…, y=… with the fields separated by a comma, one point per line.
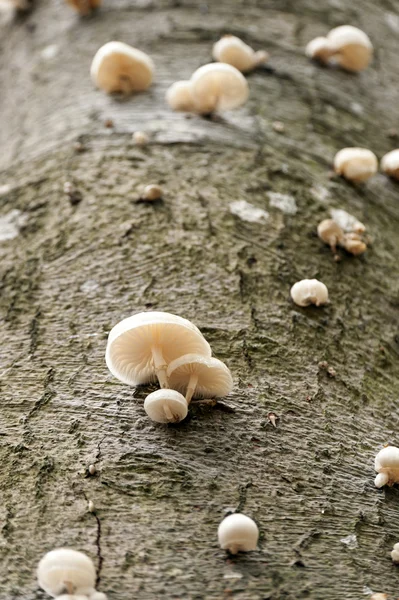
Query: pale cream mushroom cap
x=166, y=406
x=309, y=291
x=214, y=377
x=128, y=354
x=387, y=466
x=395, y=553
x=351, y=47
x=71, y=597
x=330, y=232
x=233, y=51
x=390, y=163
x=179, y=96
x=97, y=596
x=355, y=164
x=319, y=49
x=218, y=86
x=62, y=566
x=238, y=532
x=117, y=67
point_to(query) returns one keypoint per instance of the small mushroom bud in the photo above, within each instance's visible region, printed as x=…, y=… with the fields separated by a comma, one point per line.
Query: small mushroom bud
x=66, y=570
x=237, y=532
x=84, y=7
x=233, y=51
x=179, y=96
x=309, y=291
x=347, y=46
x=152, y=192
x=387, y=466
x=395, y=553
x=71, y=597
x=140, y=138
x=117, y=67
x=390, y=164
x=319, y=49
x=355, y=164
x=166, y=406
x=353, y=244
x=92, y=469
x=330, y=233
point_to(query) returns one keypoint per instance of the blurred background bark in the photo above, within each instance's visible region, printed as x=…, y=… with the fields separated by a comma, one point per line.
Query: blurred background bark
x=71, y=270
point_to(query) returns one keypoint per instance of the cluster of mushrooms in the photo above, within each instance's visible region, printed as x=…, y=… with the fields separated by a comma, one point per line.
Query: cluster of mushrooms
x=152, y=346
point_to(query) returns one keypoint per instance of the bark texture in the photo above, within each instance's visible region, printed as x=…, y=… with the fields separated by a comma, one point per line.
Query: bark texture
x=70, y=272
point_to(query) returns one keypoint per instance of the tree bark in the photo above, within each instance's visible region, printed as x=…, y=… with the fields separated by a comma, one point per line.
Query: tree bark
x=70, y=271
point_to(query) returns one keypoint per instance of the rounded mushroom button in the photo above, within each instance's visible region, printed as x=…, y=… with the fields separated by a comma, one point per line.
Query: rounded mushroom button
x=166, y=406
x=117, y=67
x=390, y=164
x=237, y=532
x=66, y=570
x=199, y=376
x=387, y=466
x=233, y=51
x=218, y=86
x=355, y=164
x=179, y=96
x=309, y=291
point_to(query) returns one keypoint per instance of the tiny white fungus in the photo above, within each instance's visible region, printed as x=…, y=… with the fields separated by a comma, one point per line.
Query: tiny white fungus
x=238, y=533
x=395, y=553
x=356, y=164
x=309, y=291
x=233, y=51
x=390, y=164
x=387, y=466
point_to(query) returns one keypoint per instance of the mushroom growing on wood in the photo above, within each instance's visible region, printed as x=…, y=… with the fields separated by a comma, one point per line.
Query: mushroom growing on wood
x=233, y=51
x=65, y=570
x=355, y=164
x=117, y=67
x=213, y=87
x=347, y=46
x=140, y=347
x=84, y=7
x=390, y=164
x=309, y=291
x=387, y=466
x=166, y=406
x=332, y=234
x=200, y=376
x=237, y=532
x=395, y=553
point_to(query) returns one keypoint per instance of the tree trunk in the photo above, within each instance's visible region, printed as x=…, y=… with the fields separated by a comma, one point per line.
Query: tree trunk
x=71, y=270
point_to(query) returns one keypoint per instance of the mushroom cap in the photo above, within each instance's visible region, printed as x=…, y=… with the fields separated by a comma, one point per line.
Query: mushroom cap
x=319, y=49
x=72, y=597
x=351, y=47
x=356, y=164
x=329, y=231
x=65, y=565
x=166, y=406
x=97, y=596
x=387, y=458
x=238, y=531
x=346, y=221
x=390, y=163
x=233, y=51
x=179, y=96
x=309, y=291
x=117, y=67
x=128, y=354
x=218, y=86
x=214, y=378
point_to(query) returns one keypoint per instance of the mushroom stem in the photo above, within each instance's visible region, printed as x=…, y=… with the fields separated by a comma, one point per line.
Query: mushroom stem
x=234, y=548
x=125, y=85
x=192, y=384
x=70, y=588
x=168, y=413
x=160, y=366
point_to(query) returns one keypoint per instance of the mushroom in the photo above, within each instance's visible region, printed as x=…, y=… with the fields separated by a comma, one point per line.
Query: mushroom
x=355, y=164
x=152, y=192
x=353, y=243
x=330, y=233
x=395, y=553
x=140, y=138
x=166, y=406
x=233, y=51
x=117, y=67
x=66, y=570
x=390, y=164
x=198, y=375
x=72, y=597
x=84, y=7
x=237, y=532
x=140, y=347
x=309, y=291
x=387, y=466
x=216, y=86
x=179, y=96
x=347, y=46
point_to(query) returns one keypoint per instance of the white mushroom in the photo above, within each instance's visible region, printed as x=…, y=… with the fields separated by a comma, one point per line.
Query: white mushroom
x=179, y=96
x=309, y=291
x=330, y=233
x=166, y=406
x=140, y=347
x=390, y=164
x=347, y=46
x=395, y=553
x=72, y=597
x=117, y=67
x=152, y=192
x=355, y=164
x=218, y=86
x=84, y=7
x=237, y=532
x=66, y=570
x=140, y=138
x=233, y=51
x=387, y=466
x=352, y=48
x=200, y=376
